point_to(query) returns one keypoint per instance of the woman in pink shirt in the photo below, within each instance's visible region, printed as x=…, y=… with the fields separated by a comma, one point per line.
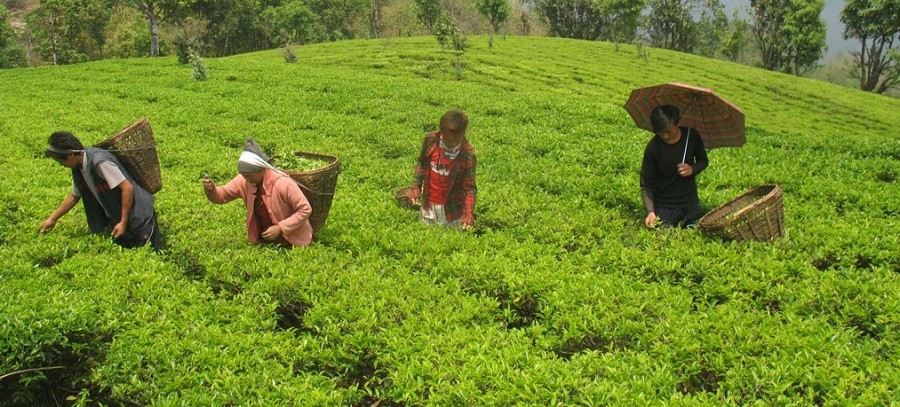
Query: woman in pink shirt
x=277, y=211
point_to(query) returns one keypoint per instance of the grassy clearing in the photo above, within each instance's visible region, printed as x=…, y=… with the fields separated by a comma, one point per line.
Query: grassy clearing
x=559, y=297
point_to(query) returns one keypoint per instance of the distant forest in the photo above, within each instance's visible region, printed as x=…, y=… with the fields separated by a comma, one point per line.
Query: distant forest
x=779, y=35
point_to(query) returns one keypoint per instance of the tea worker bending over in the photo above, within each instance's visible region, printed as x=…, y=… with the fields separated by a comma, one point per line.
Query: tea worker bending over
x=277, y=211
x=672, y=160
x=113, y=200
x=444, y=180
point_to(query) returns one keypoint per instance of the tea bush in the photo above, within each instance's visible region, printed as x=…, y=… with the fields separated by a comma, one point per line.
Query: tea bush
x=558, y=297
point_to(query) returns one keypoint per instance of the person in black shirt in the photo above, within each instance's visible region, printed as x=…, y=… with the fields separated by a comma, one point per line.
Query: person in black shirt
x=672, y=160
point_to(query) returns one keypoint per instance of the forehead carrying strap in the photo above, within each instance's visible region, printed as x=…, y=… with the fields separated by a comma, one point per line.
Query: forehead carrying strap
x=52, y=149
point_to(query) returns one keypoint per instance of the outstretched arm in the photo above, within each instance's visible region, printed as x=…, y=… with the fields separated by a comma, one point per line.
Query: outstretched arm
x=67, y=204
x=224, y=194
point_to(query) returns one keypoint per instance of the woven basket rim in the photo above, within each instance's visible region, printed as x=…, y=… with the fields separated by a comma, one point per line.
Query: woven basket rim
x=112, y=139
x=774, y=191
x=332, y=160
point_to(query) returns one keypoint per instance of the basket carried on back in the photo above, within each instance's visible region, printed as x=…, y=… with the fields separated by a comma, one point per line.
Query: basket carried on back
x=135, y=148
x=756, y=215
x=402, y=197
x=318, y=186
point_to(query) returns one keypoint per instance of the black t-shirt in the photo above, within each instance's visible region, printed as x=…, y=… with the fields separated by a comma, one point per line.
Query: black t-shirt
x=659, y=172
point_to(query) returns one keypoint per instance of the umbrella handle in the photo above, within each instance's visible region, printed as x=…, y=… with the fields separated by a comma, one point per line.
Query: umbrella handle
x=686, y=139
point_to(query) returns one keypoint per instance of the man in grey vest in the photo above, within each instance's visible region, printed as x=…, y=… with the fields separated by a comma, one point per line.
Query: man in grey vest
x=113, y=200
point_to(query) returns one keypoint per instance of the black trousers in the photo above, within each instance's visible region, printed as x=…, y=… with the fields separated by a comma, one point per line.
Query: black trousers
x=149, y=234
x=680, y=217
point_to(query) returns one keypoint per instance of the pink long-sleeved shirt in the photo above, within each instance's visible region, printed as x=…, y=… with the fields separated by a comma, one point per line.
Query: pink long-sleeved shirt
x=286, y=203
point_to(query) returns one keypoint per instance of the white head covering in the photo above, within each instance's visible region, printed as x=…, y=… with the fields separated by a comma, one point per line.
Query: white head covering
x=252, y=158
x=250, y=162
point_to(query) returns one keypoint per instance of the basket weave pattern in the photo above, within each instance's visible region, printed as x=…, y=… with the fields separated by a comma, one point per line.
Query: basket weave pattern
x=318, y=186
x=756, y=215
x=135, y=148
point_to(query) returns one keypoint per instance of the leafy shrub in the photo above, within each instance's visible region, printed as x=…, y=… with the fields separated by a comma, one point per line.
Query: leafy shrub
x=198, y=66
x=289, y=55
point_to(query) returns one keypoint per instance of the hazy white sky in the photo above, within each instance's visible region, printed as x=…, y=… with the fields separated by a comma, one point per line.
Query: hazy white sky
x=831, y=14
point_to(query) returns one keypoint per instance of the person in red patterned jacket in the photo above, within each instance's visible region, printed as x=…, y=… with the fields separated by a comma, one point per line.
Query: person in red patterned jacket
x=444, y=180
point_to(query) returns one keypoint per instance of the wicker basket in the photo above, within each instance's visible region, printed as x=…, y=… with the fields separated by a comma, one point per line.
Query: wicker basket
x=755, y=215
x=135, y=148
x=318, y=186
x=402, y=197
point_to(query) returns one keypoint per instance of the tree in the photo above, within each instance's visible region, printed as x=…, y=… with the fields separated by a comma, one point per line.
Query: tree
x=68, y=31
x=229, y=26
x=876, y=24
x=12, y=55
x=572, y=18
x=790, y=34
x=376, y=23
x=497, y=12
x=336, y=18
x=428, y=12
x=156, y=11
x=449, y=36
x=712, y=29
x=806, y=31
x=670, y=24
x=614, y=20
x=290, y=22
x=735, y=38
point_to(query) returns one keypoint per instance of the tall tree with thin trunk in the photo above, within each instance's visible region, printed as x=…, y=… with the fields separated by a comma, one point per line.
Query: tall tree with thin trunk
x=790, y=33
x=156, y=11
x=876, y=24
x=497, y=12
x=670, y=24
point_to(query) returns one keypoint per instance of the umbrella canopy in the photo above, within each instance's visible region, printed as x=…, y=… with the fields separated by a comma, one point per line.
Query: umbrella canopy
x=719, y=122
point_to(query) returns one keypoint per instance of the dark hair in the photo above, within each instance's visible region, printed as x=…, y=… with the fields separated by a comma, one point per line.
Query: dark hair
x=454, y=121
x=63, y=140
x=664, y=116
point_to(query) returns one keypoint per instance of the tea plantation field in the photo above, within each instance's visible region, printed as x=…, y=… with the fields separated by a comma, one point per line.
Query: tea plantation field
x=559, y=296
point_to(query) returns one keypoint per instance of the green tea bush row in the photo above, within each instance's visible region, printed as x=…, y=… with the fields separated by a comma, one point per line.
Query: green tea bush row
x=558, y=297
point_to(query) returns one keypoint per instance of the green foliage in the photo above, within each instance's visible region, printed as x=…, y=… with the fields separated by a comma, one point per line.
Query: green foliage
x=198, y=66
x=290, y=22
x=558, y=297
x=876, y=24
x=289, y=55
x=735, y=39
x=69, y=31
x=429, y=12
x=450, y=37
x=790, y=33
x=670, y=24
x=337, y=19
x=712, y=29
x=610, y=20
x=497, y=12
x=12, y=55
x=127, y=35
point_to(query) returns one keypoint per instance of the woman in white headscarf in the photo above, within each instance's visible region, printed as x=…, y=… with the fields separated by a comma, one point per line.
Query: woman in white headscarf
x=277, y=211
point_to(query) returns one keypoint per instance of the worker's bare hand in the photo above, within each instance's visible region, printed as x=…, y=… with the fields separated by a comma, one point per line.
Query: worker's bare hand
x=47, y=225
x=650, y=220
x=272, y=233
x=119, y=230
x=208, y=184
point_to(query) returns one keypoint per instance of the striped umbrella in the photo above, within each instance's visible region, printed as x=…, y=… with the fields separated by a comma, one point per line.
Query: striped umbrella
x=719, y=122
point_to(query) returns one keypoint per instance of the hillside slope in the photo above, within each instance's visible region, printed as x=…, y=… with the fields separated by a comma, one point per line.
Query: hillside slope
x=559, y=297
